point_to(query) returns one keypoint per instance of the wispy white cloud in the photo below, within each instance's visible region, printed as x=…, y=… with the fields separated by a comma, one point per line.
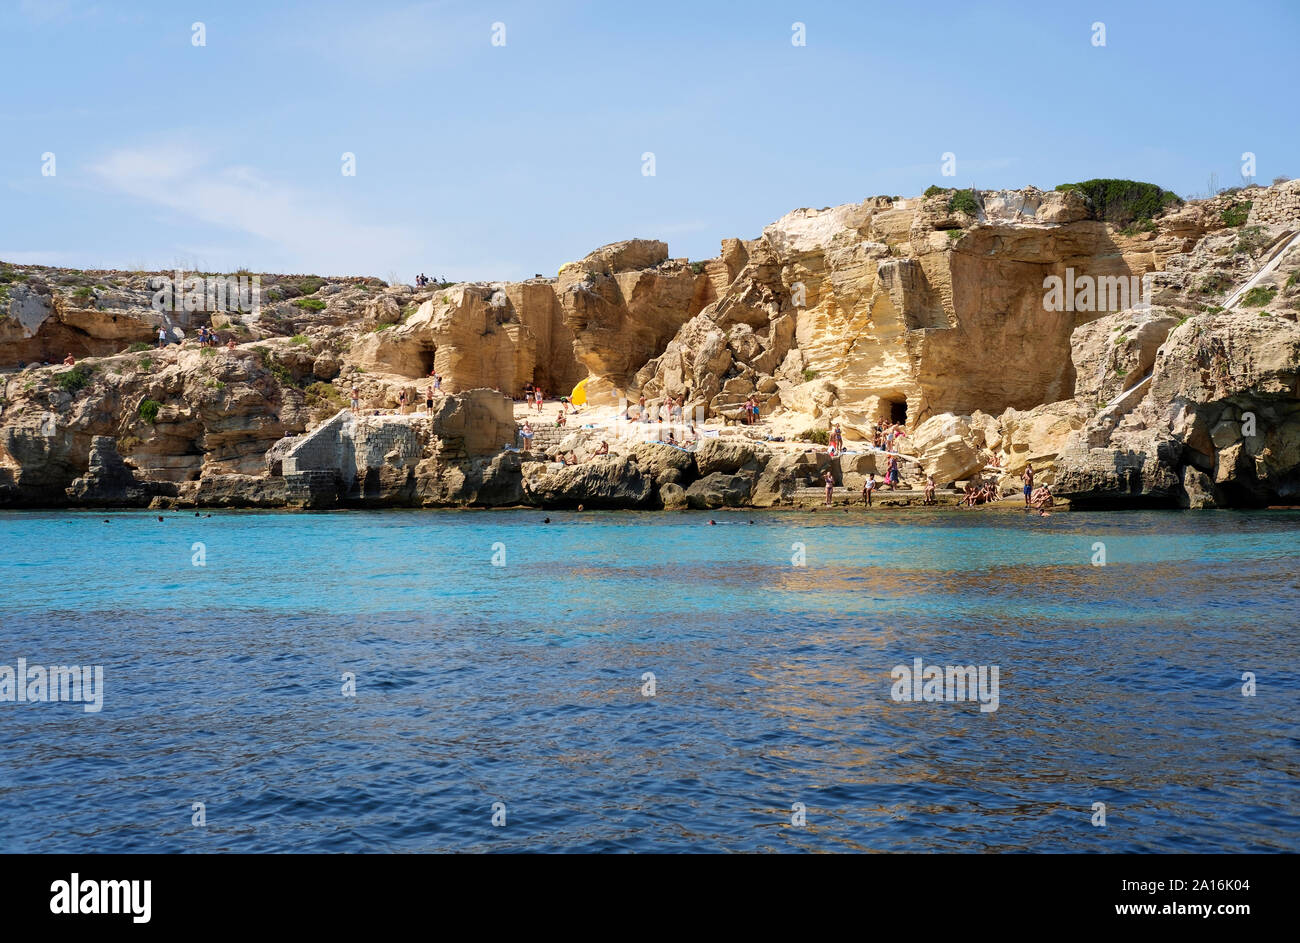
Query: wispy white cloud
x=298, y=228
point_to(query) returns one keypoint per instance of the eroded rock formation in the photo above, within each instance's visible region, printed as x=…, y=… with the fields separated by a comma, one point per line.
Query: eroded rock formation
x=931, y=312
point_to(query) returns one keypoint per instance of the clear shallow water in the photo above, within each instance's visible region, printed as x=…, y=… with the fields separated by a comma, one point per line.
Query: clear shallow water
x=522, y=683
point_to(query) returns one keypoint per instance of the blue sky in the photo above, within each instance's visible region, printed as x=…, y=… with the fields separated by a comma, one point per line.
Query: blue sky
x=481, y=161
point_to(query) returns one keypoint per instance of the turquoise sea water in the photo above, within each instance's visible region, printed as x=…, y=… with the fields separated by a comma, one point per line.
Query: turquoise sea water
x=523, y=684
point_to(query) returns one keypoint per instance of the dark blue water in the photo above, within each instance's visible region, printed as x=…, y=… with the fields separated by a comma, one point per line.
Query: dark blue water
x=522, y=684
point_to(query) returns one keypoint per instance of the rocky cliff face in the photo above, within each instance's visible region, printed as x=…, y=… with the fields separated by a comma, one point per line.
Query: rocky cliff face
x=931, y=311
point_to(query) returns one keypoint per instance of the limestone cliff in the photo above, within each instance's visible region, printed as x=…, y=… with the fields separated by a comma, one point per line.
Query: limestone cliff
x=1179, y=388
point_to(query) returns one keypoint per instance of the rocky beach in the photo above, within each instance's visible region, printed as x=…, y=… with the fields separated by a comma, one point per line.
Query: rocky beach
x=1147, y=363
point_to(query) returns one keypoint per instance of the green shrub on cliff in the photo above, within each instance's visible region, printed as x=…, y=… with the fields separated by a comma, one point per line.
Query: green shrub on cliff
x=1259, y=296
x=323, y=394
x=935, y=191
x=309, y=304
x=1252, y=239
x=137, y=347
x=818, y=436
x=1237, y=213
x=1142, y=225
x=149, y=410
x=309, y=286
x=70, y=381
x=277, y=369
x=963, y=201
x=1124, y=202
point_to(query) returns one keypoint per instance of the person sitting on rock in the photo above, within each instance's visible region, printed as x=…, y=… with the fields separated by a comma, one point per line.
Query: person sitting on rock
x=69, y=361
x=929, y=490
x=230, y=344
x=604, y=448
x=559, y=419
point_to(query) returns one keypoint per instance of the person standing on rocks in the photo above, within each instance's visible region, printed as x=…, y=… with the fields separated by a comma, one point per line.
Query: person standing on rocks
x=1028, y=478
x=162, y=337
x=868, y=487
x=356, y=399
x=428, y=401
x=526, y=433
x=892, y=473
x=830, y=487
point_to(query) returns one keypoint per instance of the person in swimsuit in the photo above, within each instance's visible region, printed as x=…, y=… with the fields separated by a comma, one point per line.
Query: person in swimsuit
x=428, y=400
x=929, y=489
x=868, y=487
x=1028, y=477
x=830, y=487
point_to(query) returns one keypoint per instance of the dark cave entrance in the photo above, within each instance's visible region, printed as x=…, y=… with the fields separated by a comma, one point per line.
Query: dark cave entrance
x=898, y=412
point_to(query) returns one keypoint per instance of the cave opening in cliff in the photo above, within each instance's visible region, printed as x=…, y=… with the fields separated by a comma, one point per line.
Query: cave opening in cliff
x=898, y=412
x=428, y=356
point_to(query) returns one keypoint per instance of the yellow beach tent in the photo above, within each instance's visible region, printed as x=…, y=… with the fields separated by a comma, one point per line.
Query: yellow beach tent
x=579, y=395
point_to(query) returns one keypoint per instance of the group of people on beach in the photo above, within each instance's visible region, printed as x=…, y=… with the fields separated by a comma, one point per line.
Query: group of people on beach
x=670, y=409
x=886, y=436
x=1040, y=498
x=533, y=397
